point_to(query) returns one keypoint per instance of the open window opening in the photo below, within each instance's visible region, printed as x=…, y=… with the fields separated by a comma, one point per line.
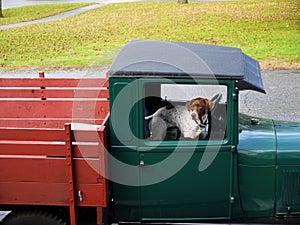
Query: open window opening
x=185, y=111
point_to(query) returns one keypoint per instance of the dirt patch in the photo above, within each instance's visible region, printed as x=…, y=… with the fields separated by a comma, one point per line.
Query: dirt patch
x=279, y=65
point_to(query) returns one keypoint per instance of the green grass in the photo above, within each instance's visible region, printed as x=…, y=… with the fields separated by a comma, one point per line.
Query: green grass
x=27, y=13
x=266, y=30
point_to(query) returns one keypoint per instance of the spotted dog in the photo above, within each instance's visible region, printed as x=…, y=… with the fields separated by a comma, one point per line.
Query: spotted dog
x=191, y=119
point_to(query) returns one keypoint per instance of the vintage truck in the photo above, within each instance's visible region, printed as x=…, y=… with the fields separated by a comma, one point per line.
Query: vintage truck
x=79, y=150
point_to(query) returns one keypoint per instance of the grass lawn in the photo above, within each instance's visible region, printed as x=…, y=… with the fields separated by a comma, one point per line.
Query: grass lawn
x=266, y=30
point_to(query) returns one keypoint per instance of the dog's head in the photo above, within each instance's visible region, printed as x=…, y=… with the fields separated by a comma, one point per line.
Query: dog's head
x=199, y=109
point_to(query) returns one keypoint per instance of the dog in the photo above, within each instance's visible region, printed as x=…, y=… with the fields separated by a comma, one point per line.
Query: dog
x=191, y=119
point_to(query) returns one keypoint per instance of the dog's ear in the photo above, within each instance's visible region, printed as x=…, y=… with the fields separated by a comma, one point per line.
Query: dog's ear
x=188, y=105
x=209, y=106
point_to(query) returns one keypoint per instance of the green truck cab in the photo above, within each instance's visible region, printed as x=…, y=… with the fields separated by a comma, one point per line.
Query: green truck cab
x=244, y=168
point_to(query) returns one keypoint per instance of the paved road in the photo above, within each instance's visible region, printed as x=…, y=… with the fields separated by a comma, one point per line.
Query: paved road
x=282, y=101
x=18, y=3
x=53, y=18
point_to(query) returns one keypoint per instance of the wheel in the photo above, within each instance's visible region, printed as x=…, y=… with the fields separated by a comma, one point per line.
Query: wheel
x=32, y=218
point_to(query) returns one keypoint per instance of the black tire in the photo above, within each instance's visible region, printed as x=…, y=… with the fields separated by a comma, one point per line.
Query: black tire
x=32, y=218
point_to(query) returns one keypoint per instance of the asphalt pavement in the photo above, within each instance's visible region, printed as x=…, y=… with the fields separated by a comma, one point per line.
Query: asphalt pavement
x=18, y=3
x=53, y=18
x=282, y=100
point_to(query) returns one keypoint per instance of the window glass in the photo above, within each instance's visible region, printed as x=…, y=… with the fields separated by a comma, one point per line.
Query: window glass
x=185, y=111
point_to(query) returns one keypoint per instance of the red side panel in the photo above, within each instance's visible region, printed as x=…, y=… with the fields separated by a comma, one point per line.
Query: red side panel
x=42, y=160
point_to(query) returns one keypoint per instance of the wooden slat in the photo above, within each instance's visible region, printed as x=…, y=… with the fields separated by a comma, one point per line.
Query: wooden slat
x=75, y=82
x=54, y=109
x=32, y=193
x=36, y=149
x=44, y=122
x=42, y=169
x=47, y=149
x=32, y=134
x=53, y=93
x=52, y=170
x=20, y=82
x=53, y=82
x=90, y=109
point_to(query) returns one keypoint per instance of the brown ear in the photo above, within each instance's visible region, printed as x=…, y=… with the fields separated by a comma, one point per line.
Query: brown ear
x=209, y=106
x=188, y=105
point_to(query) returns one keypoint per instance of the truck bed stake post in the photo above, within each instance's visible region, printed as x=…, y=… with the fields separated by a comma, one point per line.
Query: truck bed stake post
x=42, y=76
x=70, y=172
x=99, y=216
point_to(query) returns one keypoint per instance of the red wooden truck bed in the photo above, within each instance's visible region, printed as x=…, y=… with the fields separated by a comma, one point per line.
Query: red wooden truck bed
x=52, y=139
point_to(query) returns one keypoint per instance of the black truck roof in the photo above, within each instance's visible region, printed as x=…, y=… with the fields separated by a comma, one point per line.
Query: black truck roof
x=145, y=58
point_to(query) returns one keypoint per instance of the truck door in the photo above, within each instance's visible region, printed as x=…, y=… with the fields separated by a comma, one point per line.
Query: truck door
x=183, y=178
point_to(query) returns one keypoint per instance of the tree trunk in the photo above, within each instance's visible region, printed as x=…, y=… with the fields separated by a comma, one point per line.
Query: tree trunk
x=1, y=8
x=182, y=1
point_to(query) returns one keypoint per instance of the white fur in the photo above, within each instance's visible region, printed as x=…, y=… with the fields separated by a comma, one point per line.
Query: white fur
x=178, y=116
